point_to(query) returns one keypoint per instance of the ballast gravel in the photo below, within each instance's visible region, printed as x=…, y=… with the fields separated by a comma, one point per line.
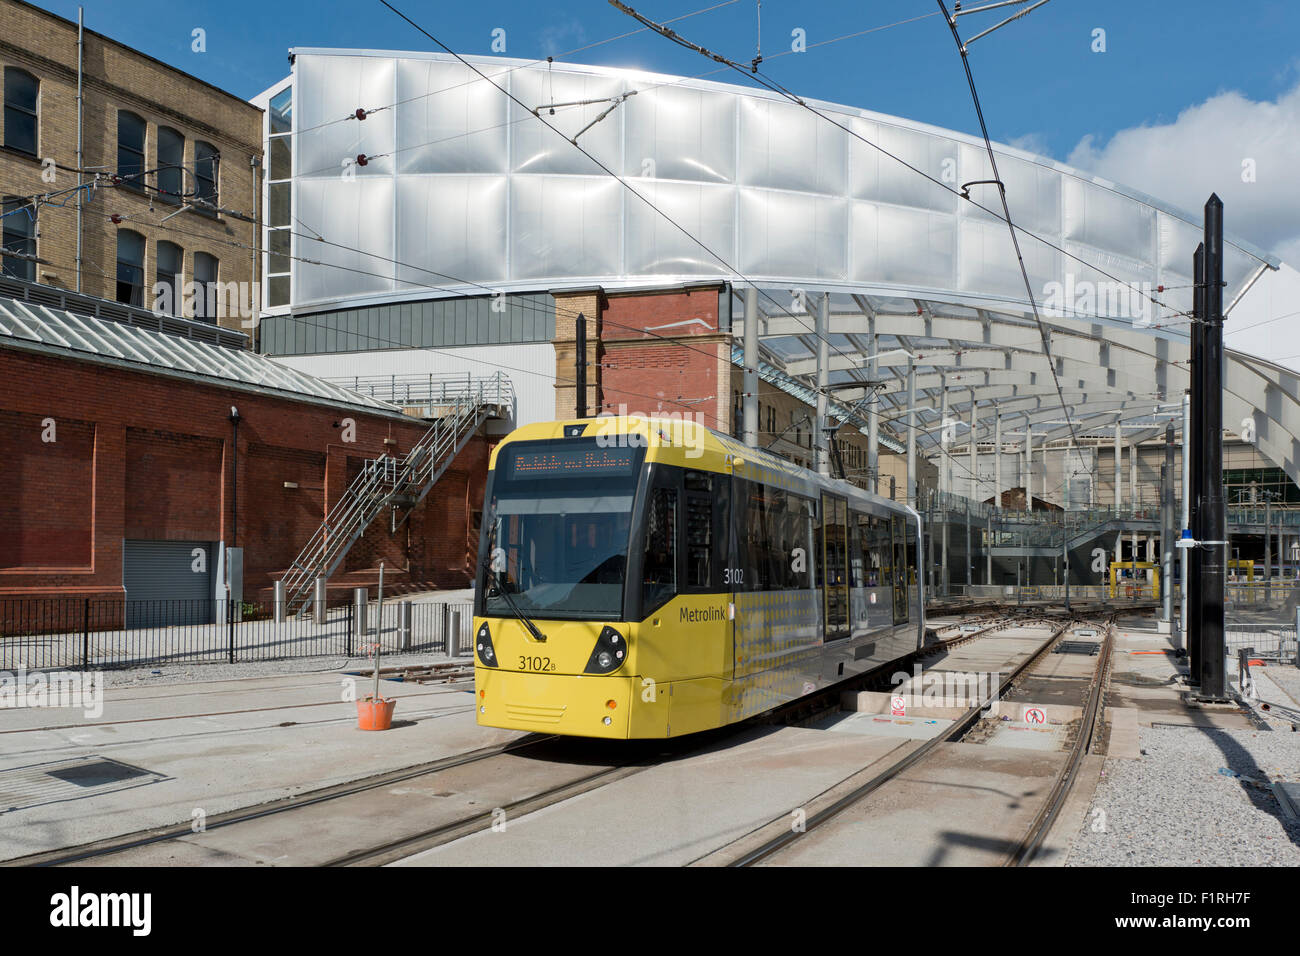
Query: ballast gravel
x=1197, y=796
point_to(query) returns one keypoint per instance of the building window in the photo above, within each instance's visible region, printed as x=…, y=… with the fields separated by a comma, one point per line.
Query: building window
x=130, y=267
x=167, y=291
x=278, y=197
x=21, y=93
x=205, y=275
x=20, y=238
x=207, y=161
x=130, y=149
x=171, y=164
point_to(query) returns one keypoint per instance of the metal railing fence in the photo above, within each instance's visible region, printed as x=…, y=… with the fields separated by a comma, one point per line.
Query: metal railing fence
x=95, y=633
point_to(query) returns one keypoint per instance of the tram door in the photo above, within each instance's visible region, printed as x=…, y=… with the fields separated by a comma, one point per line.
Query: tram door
x=835, y=562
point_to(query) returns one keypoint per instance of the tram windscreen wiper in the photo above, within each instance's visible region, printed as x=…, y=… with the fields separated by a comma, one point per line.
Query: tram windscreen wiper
x=533, y=629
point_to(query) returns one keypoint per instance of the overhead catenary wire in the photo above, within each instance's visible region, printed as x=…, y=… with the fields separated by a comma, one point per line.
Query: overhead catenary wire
x=621, y=180
x=963, y=194
x=670, y=340
x=318, y=237
x=1006, y=209
x=361, y=113
x=454, y=353
x=780, y=90
x=120, y=218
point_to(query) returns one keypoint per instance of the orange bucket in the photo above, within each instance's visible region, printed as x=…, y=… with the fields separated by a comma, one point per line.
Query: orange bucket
x=375, y=714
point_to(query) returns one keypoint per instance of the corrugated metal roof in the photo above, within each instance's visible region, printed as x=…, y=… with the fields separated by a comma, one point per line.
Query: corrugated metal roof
x=55, y=331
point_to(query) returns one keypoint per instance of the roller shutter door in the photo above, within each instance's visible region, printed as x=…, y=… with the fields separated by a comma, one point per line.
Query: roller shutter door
x=162, y=587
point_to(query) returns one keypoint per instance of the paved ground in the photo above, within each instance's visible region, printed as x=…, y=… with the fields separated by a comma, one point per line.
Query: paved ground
x=208, y=747
x=1187, y=786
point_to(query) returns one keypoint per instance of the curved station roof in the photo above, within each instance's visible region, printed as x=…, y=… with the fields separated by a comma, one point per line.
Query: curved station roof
x=464, y=191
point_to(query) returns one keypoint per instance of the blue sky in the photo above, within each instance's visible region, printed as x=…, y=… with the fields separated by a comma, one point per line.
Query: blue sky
x=1037, y=77
x=1041, y=83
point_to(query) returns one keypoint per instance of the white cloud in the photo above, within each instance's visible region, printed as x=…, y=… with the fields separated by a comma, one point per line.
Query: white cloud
x=558, y=37
x=1205, y=150
x=1031, y=143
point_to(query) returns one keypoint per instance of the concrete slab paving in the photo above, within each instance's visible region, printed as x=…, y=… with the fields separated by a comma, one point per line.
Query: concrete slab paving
x=883, y=725
x=211, y=748
x=676, y=812
x=314, y=835
x=1023, y=736
x=965, y=805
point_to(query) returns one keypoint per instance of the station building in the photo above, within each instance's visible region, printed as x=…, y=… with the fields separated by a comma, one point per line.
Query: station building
x=433, y=253
x=432, y=216
x=134, y=456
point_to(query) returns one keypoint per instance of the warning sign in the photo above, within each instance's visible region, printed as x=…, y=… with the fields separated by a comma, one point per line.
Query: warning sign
x=1035, y=715
x=898, y=706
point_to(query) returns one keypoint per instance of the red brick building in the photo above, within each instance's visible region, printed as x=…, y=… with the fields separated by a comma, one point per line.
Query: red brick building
x=111, y=434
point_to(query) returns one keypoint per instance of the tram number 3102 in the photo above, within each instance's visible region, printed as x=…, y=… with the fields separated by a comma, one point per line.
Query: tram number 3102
x=535, y=663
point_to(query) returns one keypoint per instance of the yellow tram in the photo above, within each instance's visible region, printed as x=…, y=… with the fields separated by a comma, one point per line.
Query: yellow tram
x=652, y=578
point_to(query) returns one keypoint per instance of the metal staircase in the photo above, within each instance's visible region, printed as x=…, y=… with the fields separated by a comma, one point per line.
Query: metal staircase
x=385, y=483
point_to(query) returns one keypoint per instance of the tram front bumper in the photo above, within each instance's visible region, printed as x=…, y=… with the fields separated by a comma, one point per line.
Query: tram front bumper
x=571, y=704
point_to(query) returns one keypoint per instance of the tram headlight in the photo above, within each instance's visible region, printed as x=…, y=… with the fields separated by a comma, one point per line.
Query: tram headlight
x=609, y=654
x=487, y=654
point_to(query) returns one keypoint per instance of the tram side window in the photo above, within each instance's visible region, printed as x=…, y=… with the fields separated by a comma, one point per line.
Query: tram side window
x=818, y=540
x=801, y=552
x=879, y=557
x=911, y=565
x=901, y=613
x=659, y=576
x=775, y=538
x=758, y=539
x=857, y=570
x=835, y=523
x=699, y=531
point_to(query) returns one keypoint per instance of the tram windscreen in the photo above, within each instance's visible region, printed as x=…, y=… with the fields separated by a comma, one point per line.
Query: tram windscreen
x=559, y=523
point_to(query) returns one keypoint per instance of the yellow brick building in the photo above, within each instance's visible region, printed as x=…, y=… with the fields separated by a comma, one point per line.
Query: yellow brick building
x=179, y=162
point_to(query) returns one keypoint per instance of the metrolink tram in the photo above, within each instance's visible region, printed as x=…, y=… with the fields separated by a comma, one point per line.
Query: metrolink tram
x=652, y=578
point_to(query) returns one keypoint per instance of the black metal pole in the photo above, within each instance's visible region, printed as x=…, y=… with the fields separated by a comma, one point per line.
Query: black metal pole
x=234, y=477
x=230, y=627
x=1213, y=517
x=1195, y=450
x=580, y=366
x=1168, y=529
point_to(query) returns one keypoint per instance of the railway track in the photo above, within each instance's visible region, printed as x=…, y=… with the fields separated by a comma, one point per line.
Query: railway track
x=119, y=846
x=858, y=790
x=504, y=762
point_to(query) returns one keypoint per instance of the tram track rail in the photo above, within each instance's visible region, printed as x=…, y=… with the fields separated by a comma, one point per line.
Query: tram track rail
x=124, y=843
x=435, y=837
x=1029, y=843
x=1025, y=851
x=120, y=849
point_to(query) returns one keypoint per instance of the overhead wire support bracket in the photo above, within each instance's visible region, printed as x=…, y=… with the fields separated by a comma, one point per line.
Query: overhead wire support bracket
x=612, y=106
x=1006, y=208
x=957, y=10
x=1015, y=16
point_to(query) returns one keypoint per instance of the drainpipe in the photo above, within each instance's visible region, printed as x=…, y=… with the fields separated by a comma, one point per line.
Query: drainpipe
x=81, y=46
x=234, y=477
